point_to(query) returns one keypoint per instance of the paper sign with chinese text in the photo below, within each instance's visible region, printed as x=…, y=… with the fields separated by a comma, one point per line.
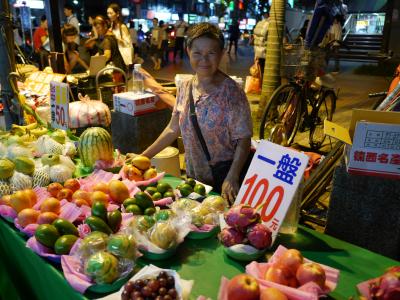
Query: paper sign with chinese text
x=271, y=182
x=59, y=102
x=375, y=150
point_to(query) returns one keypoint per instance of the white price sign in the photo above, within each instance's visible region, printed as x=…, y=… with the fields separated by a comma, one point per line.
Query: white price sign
x=59, y=101
x=271, y=182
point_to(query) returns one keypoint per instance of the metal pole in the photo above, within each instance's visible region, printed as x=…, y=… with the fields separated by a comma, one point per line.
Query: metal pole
x=7, y=63
x=53, y=20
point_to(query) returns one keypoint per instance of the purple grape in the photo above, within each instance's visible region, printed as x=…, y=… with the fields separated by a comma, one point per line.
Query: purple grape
x=146, y=291
x=125, y=295
x=162, y=282
x=170, y=282
x=173, y=293
x=162, y=291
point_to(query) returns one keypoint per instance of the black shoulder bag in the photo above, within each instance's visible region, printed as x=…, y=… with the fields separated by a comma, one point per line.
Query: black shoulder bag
x=220, y=169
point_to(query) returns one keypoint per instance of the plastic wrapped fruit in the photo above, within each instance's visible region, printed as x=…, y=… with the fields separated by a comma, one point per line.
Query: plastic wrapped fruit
x=102, y=267
x=93, y=242
x=122, y=245
x=163, y=235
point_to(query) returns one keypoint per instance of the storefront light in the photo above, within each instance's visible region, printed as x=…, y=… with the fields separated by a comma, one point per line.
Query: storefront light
x=34, y=4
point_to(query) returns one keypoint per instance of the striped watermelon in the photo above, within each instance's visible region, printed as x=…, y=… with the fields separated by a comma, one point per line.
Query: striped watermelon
x=95, y=144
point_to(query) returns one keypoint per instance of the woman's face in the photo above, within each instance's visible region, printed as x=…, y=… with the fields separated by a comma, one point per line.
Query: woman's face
x=112, y=15
x=205, y=56
x=100, y=29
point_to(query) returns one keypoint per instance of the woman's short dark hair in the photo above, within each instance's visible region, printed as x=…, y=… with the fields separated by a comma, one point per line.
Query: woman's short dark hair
x=205, y=29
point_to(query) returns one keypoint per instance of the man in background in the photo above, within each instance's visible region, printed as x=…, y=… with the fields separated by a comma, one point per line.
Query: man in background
x=71, y=19
x=260, y=41
x=40, y=40
x=180, y=30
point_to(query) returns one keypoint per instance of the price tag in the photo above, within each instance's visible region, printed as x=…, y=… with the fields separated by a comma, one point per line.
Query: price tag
x=271, y=182
x=59, y=101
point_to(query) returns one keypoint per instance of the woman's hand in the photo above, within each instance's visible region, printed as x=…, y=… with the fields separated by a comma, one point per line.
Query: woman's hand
x=230, y=189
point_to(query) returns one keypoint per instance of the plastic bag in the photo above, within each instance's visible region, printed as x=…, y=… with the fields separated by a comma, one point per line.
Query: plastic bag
x=252, y=85
x=87, y=112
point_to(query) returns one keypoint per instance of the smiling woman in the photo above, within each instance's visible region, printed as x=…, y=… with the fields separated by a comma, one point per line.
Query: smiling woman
x=212, y=114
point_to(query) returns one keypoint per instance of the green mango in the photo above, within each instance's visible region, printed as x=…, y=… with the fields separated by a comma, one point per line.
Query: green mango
x=129, y=201
x=114, y=220
x=149, y=211
x=97, y=224
x=162, y=187
x=143, y=200
x=134, y=209
x=99, y=210
x=65, y=227
x=47, y=235
x=64, y=244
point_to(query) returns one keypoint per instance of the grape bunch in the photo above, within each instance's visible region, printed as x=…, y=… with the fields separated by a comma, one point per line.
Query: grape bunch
x=160, y=288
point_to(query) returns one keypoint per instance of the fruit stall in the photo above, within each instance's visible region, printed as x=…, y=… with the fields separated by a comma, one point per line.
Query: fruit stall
x=80, y=220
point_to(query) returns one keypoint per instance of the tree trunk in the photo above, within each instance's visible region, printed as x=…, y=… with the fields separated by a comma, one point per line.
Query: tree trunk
x=272, y=70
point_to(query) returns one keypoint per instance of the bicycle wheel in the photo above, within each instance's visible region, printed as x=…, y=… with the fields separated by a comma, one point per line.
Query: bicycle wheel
x=324, y=110
x=282, y=115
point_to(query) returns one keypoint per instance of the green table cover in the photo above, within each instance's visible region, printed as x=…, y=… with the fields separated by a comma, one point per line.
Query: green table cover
x=25, y=275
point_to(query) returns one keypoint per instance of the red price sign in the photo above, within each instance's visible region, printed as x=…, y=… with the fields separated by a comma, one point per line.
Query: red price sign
x=59, y=101
x=271, y=182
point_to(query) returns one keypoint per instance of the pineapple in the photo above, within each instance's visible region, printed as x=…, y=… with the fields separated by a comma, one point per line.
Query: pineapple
x=5, y=188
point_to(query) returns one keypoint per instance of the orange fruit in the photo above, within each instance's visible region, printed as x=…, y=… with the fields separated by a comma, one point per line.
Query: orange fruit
x=27, y=216
x=65, y=194
x=5, y=200
x=32, y=195
x=79, y=202
x=72, y=184
x=54, y=188
x=50, y=205
x=81, y=194
x=47, y=217
x=20, y=200
x=133, y=173
x=99, y=196
x=118, y=191
x=102, y=187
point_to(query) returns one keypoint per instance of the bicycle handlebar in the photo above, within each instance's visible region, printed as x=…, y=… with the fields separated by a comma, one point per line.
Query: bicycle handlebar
x=379, y=94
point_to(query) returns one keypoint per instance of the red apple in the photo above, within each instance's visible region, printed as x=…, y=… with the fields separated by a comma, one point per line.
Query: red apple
x=243, y=287
x=311, y=272
x=279, y=274
x=272, y=294
x=291, y=259
x=72, y=184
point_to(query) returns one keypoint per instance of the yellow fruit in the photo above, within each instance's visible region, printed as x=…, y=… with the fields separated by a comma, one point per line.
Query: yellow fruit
x=27, y=216
x=81, y=194
x=101, y=186
x=133, y=173
x=118, y=191
x=150, y=173
x=50, y=205
x=47, y=217
x=79, y=202
x=19, y=201
x=5, y=200
x=32, y=196
x=99, y=196
x=141, y=162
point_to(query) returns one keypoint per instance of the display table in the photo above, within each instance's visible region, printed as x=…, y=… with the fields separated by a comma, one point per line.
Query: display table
x=24, y=275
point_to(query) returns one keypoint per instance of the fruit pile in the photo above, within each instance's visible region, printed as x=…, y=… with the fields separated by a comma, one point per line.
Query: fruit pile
x=160, y=190
x=161, y=287
x=140, y=204
x=138, y=168
x=291, y=270
x=59, y=236
x=244, y=227
x=387, y=286
x=246, y=287
x=189, y=186
x=102, y=220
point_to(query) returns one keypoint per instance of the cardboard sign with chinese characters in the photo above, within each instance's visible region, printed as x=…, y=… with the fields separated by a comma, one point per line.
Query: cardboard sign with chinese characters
x=59, y=104
x=375, y=150
x=271, y=182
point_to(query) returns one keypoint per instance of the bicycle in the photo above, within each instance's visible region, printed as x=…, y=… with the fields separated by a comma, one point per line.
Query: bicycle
x=301, y=103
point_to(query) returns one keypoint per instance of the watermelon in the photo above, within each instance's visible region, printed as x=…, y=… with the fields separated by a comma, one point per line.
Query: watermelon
x=95, y=144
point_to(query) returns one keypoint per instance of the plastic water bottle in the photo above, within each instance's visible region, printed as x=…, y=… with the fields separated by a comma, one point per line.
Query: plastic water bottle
x=137, y=80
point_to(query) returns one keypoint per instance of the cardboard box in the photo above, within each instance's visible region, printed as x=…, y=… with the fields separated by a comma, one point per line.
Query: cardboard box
x=374, y=143
x=134, y=104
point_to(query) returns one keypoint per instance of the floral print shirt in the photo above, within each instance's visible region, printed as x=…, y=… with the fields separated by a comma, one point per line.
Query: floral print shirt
x=224, y=118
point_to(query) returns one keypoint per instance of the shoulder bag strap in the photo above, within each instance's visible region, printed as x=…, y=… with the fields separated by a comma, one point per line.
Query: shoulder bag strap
x=195, y=123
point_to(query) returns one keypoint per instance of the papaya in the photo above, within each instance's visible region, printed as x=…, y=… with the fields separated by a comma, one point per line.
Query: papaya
x=24, y=165
x=64, y=244
x=65, y=227
x=47, y=235
x=97, y=224
x=6, y=168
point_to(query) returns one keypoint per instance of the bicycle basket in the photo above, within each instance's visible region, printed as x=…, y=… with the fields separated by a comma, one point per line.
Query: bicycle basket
x=302, y=63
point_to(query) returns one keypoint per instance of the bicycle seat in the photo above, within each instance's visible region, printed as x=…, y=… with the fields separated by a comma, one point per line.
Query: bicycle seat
x=326, y=80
